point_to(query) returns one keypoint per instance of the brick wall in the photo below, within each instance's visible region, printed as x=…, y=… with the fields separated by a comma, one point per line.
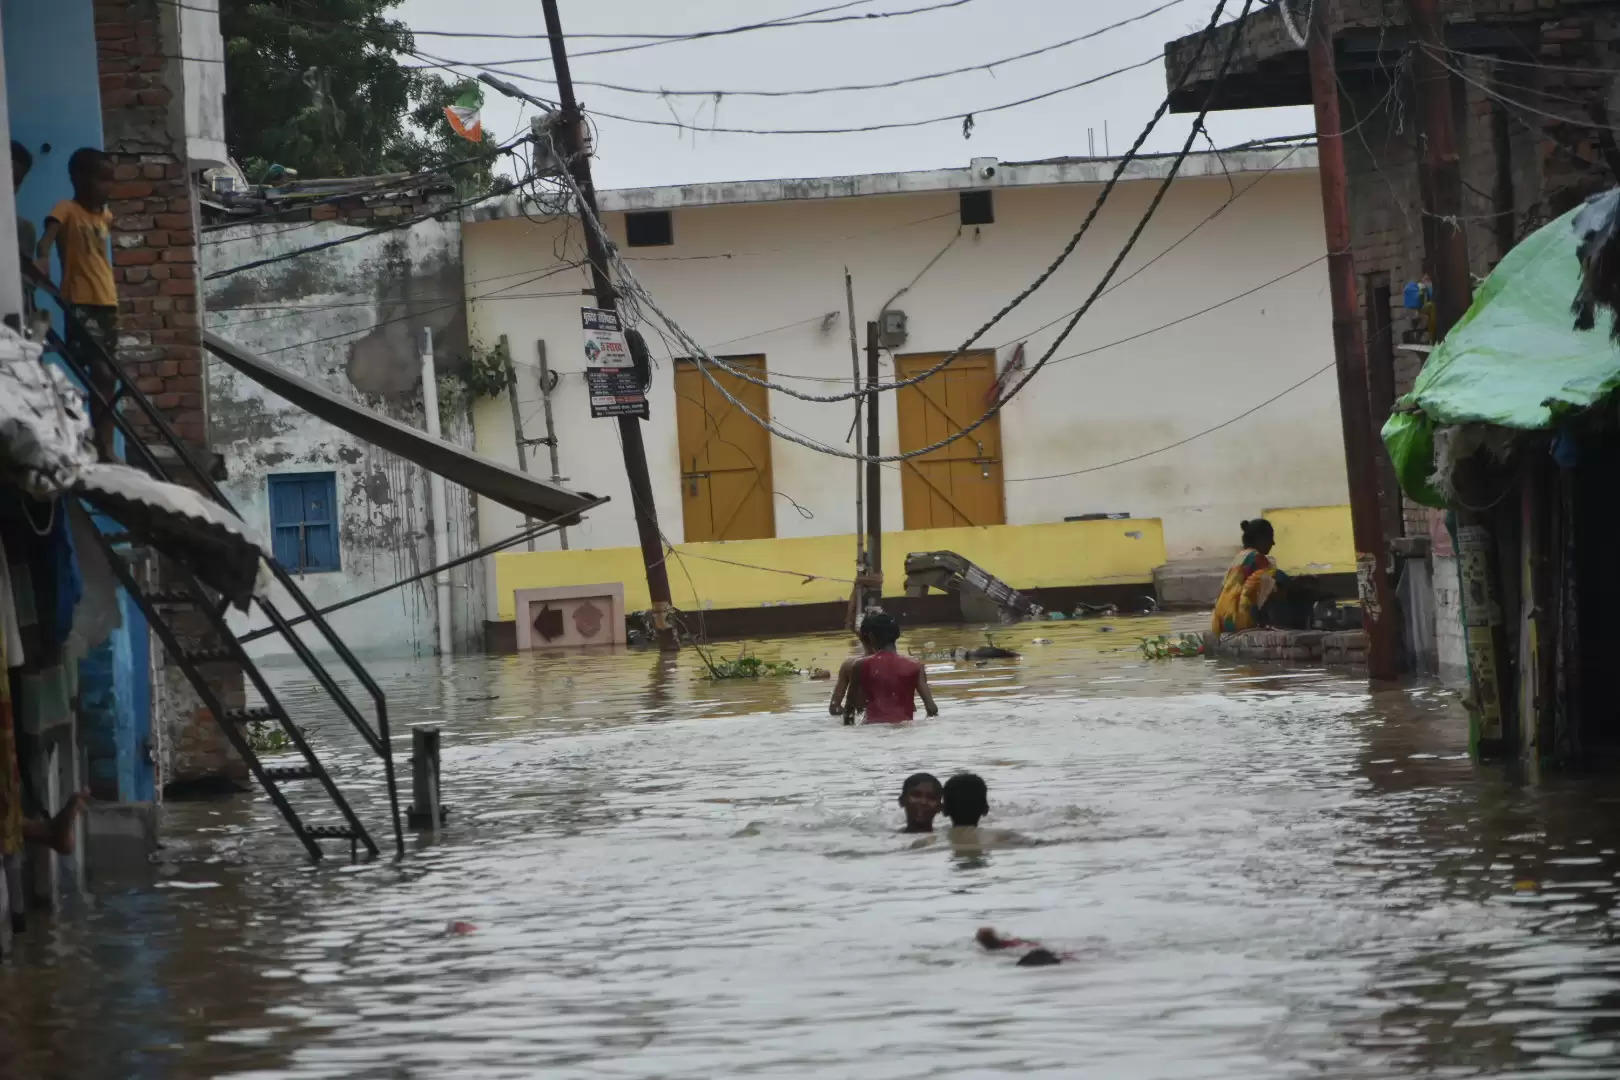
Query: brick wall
x=155, y=266
x=154, y=208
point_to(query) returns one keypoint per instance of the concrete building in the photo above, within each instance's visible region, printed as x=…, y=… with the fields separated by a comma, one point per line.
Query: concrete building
x=351, y=319
x=1534, y=85
x=1196, y=393
x=144, y=81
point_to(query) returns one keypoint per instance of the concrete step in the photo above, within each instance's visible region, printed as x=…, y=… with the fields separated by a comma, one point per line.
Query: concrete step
x=1190, y=583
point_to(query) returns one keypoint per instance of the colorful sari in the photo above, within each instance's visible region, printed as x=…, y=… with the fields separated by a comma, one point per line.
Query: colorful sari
x=1250, y=582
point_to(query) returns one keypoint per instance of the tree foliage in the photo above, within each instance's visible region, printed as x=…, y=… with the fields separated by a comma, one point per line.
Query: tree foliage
x=318, y=86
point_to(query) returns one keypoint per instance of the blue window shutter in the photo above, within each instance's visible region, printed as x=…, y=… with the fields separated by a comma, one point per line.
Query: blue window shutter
x=303, y=521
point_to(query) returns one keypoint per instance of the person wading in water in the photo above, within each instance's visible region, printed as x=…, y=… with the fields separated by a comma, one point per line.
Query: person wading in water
x=883, y=682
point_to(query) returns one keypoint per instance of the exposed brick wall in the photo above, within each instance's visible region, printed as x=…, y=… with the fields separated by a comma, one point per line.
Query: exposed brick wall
x=154, y=208
x=1582, y=54
x=155, y=266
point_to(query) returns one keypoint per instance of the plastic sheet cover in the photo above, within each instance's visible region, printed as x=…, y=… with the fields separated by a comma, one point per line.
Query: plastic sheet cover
x=1514, y=360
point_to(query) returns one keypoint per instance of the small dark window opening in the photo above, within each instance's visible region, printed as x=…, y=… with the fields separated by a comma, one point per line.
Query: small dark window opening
x=649, y=228
x=978, y=208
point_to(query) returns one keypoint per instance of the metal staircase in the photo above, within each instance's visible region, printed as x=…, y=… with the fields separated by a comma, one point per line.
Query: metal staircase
x=181, y=604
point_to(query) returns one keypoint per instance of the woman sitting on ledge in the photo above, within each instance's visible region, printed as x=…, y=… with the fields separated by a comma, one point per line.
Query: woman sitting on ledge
x=1252, y=581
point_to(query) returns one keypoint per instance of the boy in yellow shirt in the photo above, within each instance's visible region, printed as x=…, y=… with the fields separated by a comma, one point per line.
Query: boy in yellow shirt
x=77, y=229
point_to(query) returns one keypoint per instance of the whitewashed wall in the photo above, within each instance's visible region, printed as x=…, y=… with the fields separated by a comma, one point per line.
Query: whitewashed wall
x=377, y=294
x=737, y=271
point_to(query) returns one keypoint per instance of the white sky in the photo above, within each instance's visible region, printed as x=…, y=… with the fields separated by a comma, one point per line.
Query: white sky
x=631, y=155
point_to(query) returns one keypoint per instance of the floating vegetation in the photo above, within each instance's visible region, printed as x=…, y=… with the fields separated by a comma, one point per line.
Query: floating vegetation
x=267, y=738
x=746, y=666
x=1172, y=646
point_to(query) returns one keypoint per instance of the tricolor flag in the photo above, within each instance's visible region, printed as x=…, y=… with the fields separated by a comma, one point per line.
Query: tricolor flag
x=464, y=114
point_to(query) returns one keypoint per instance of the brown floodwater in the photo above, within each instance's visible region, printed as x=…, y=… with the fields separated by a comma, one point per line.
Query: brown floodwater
x=1258, y=873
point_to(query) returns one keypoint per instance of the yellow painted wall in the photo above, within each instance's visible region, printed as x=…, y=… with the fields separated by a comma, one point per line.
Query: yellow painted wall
x=1314, y=539
x=1024, y=556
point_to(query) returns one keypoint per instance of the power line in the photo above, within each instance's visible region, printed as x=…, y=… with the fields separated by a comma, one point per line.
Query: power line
x=1180, y=442
x=989, y=65
x=419, y=312
x=1188, y=235
x=1006, y=309
x=406, y=223
x=384, y=186
x=1586, y=122
x=396, y=30
x=966, y=117
x=803, y=19
x=703, y=360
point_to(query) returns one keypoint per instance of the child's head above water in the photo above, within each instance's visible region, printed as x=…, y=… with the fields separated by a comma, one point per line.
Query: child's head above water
x=920, y=798
x=879, y=631
x=966, y=798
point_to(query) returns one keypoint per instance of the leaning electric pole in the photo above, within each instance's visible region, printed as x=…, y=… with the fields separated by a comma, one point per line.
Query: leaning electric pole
x=570, y=145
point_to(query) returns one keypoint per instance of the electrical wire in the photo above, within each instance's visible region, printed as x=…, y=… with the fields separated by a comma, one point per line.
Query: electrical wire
x=1587, y=122
x=785, y=20
x=1188, y=235
x=966, y=117
x=1180, y=442
x=989, y=66
x=416, y=314
x=406, y=223
x=1085, y=226
x=1136, y=233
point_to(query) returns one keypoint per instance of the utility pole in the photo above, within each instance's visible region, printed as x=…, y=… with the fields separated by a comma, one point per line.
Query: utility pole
x=860, y=448
x=874, y=471
x=437, y=499
x=517, y=425
x=1448, y=257
x=1486, y=637
x=572, y=150
x=548, y=383
x=1378, y=614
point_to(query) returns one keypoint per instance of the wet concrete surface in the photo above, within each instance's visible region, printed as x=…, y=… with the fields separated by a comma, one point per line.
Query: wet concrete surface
x=1259, y=873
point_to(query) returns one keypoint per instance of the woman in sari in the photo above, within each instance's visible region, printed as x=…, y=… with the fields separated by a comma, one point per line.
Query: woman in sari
x=1251, y=581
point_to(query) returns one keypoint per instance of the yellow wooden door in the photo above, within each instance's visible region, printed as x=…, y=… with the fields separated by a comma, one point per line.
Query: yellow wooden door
x=725, y=456
x=960, y=484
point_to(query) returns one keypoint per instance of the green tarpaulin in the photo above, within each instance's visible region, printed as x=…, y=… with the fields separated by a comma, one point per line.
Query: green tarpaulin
x=1514, y=360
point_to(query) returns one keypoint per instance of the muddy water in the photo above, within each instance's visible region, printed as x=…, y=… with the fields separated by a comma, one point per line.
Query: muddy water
x=1259, y=874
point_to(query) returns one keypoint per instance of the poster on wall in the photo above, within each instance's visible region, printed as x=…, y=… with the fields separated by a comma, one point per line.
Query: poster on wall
x=610, y=372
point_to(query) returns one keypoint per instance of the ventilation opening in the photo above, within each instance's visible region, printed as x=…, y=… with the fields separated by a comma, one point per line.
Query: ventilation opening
x=649, y=228
x=978, y=208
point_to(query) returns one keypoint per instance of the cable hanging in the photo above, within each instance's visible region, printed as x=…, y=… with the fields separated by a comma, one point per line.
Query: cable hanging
x=717, y=93
x=703, y=362
x=1120, y=167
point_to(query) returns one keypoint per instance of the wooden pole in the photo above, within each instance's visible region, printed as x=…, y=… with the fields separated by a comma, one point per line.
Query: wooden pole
x=578, y=163
x=1379, y=617
x=517, y=425
x=1495, y=710
x=548, y=384
x=859, y=592
x=874, y=472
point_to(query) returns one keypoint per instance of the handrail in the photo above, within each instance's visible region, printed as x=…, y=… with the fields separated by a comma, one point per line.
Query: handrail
x=379, y=739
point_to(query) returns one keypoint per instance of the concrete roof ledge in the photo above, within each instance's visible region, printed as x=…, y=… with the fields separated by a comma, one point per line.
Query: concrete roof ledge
x=984, y=172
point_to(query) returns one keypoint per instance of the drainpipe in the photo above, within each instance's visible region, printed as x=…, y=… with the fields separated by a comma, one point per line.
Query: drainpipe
x=436, y=495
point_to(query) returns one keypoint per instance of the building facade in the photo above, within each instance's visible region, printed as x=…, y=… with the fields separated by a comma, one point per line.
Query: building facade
x=1195, y=394
x=346, y=517
x=1534, y=86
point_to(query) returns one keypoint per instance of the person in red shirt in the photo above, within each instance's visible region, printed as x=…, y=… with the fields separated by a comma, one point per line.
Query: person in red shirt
x=888, y=683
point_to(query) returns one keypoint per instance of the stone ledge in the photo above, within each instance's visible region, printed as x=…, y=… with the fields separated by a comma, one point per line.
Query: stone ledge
x=1346, y=648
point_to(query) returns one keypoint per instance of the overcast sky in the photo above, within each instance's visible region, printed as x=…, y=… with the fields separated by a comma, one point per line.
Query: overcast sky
x=976, y=31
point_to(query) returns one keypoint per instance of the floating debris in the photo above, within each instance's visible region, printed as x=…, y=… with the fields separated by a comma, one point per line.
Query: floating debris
x=1169, y=647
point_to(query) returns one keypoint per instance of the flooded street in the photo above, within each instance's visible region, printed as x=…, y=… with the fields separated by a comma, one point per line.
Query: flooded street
x=1259, y=873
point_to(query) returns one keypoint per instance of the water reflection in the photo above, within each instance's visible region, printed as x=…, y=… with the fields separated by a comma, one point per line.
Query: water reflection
x=1260, y=873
